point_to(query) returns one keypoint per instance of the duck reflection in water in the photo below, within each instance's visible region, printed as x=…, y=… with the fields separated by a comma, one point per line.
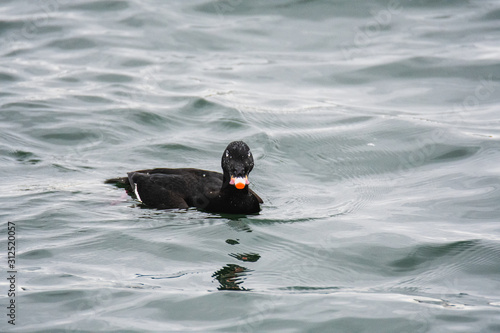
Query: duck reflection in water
x=231, y=276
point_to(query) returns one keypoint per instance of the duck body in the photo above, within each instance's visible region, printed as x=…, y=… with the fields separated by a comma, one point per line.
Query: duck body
x=226, y=192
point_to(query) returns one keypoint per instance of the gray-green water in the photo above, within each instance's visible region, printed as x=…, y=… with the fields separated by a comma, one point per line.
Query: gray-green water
x=375, y=130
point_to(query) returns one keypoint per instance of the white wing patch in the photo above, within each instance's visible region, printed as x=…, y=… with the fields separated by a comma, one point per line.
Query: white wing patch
x=137, y=192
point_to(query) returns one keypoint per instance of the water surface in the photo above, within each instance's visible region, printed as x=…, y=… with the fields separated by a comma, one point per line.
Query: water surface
x=375, y=131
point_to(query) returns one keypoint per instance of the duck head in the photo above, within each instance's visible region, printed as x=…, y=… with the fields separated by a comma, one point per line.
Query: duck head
x=237, y=162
